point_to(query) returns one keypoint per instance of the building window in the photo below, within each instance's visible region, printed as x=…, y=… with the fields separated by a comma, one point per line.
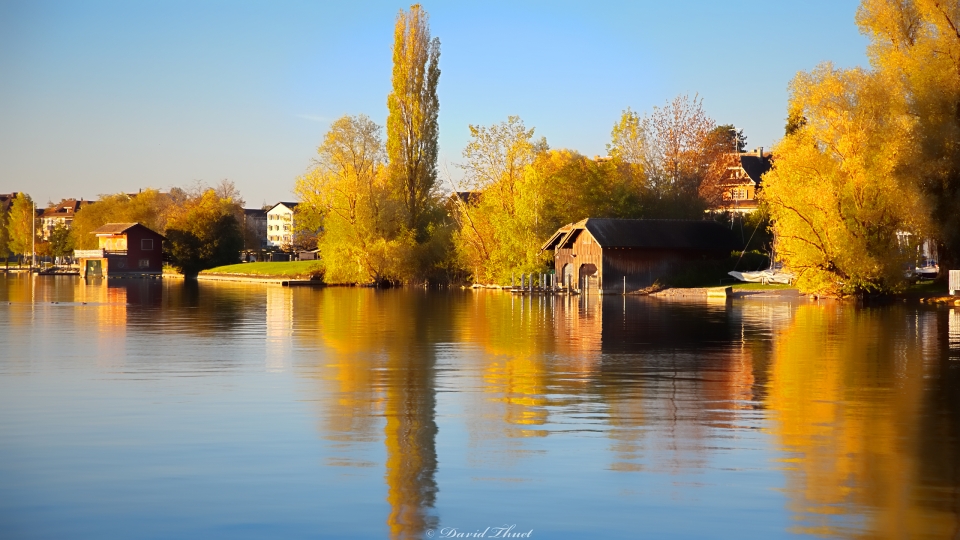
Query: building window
x=144, y=263
x=146, y=244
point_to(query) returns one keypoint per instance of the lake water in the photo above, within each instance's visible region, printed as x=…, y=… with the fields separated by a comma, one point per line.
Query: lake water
x=167, y=409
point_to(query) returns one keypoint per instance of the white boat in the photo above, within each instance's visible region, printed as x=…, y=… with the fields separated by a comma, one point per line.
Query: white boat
x=765, y=276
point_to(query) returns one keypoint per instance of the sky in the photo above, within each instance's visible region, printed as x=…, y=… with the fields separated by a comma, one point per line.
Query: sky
x=101, y=97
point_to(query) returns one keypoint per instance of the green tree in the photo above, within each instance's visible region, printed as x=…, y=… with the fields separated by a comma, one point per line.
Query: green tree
x=61, y=242
x=730, y=137
x=308, y=225
x=203, y=233
x=21, y=225
x=412, y=128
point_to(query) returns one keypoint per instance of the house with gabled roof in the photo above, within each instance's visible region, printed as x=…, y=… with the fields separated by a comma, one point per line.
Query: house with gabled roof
x=280, y=230
x=125, y=250
x=741, y=181
x=616, y=255
x=61, y=213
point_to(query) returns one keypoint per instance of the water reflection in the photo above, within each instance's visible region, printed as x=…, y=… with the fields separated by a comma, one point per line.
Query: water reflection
x=381, y=349
x=839, y=388
x=850, y=416
x=869, y=445
x=954, y=325
x=279, y=327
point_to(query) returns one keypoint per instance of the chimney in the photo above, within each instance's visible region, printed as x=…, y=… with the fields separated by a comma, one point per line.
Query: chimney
x=760, y=151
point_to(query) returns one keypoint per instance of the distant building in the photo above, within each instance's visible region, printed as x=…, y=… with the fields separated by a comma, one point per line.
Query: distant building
x=280, y=225
x=254, y=228
x=126, y=250
x=612, y=254
x=740, y=183
x=61, y=213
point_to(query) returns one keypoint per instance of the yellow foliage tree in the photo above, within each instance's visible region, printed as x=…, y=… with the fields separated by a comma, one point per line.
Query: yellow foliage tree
x=21, y=225
x=870, y=154
x=916, y=45
x=148, y=207
x=499, y=226
x=363, y=237
x=837, y=194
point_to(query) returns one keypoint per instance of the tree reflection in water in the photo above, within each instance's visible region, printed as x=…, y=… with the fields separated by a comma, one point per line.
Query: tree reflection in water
x=859, y=403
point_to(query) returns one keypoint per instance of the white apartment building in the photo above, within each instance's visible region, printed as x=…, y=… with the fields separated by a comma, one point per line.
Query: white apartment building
x=280, y=225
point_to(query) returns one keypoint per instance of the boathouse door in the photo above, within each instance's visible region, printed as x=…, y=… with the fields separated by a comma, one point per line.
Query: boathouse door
x=94, y=268
x=567, y=276
x=589, y=278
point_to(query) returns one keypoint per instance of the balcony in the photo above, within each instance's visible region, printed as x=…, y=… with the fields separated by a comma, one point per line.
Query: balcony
x=88, y=253
x=98, y=253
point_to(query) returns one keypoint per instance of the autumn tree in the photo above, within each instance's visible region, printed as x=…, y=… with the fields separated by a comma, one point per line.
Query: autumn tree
x=21, y=225
x=837, y=195
x=498, y=223
x=362, y=239
x=149, y=207
x=203, y=233
x=576, y=187
x=668, y=154
x=412, y=128
x=871, y=156
x=915, y=45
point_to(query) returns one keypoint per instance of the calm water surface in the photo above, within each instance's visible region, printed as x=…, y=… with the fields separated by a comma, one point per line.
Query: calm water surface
x=147, y=409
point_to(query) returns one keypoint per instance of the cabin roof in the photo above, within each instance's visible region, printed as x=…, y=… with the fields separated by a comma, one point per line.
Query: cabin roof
x=647, y=234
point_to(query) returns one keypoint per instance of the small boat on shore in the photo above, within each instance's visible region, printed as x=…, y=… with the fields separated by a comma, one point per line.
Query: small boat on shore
x=768, y=276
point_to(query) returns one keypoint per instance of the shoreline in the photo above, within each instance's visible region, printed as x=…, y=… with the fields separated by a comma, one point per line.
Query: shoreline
x=285, y=281
x=676, y=293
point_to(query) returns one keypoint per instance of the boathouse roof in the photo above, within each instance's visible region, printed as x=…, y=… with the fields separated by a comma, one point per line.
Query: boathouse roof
x=647, y=234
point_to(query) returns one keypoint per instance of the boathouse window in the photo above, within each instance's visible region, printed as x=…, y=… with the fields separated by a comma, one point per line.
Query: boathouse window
x=144, y=263
x=146, y=244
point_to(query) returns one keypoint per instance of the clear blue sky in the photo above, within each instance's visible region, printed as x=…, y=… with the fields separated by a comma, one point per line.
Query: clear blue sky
x=102, y=96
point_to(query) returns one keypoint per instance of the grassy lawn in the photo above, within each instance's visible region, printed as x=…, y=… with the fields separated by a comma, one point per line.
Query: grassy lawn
x=268, y=269
x=926, y=288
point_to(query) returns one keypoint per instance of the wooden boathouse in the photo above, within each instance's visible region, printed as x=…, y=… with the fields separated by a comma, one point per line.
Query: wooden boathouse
x=126, y=250
x=612, y=254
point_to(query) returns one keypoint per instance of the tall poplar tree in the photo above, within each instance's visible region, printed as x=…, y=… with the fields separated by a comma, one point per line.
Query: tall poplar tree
x=412, y=129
